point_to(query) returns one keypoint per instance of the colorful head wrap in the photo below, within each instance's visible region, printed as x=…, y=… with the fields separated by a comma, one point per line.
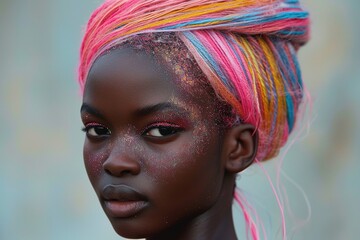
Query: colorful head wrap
x=246, y=49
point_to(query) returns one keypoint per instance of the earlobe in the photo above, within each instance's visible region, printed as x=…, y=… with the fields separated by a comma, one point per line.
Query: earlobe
x=240, y=147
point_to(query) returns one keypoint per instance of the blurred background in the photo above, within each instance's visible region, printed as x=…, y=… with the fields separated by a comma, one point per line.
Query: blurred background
x=44, y=190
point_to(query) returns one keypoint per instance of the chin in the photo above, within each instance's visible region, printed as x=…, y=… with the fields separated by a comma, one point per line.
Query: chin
x=131, y=229
x=129, y=233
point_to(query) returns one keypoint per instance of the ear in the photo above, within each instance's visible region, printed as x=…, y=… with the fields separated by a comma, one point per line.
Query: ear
x=240, y=147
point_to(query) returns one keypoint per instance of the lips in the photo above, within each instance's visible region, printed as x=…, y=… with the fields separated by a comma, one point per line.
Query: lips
x=121, y=201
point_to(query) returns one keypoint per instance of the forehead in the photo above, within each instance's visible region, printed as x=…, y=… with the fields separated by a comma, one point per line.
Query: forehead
x=125, y=80
x=160, y=64
x=168, y=50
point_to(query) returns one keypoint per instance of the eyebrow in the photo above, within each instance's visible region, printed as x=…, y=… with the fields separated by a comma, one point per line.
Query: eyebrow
x=139, y=112
x=89, y=109
x=159, y=107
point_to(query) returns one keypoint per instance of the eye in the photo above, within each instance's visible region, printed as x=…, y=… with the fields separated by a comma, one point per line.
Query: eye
x=96, y=130
x=162, y=130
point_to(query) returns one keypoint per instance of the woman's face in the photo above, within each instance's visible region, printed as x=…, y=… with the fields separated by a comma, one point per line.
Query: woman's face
x=152, y=149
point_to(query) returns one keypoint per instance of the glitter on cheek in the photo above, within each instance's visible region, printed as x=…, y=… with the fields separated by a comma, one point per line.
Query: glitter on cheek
x=160, y=163
x=165, y=165
x=94, y=160
x=200, y=135
x=154, y=166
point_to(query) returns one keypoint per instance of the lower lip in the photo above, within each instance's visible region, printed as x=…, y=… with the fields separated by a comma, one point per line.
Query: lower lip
x=120, y=209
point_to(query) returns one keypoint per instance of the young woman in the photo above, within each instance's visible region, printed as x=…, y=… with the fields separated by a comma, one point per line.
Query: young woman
x=178, y=98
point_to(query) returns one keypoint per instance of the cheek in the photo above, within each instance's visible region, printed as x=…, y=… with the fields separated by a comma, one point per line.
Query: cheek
x=93, y=160
x=192, y=164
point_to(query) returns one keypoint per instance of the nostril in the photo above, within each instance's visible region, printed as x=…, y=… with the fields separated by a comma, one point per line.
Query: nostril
x=125, y=172
x=119, y=173
x=108, y=171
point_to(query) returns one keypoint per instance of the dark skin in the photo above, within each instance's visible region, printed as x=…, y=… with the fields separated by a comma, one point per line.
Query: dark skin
x=161, y=165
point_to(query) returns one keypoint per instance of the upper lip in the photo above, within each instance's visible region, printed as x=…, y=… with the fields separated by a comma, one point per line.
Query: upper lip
x=122, y=193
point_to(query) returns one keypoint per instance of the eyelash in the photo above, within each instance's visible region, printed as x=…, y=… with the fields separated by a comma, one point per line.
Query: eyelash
x=170, y=129
x=95, y=126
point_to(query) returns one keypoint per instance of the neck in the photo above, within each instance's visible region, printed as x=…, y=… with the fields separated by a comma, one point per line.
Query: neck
x=215, y=223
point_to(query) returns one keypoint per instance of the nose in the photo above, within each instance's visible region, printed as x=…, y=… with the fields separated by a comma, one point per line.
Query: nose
x=121, y=162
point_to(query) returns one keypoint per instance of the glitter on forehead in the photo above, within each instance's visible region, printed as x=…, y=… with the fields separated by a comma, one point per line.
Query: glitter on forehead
x=168, y=50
